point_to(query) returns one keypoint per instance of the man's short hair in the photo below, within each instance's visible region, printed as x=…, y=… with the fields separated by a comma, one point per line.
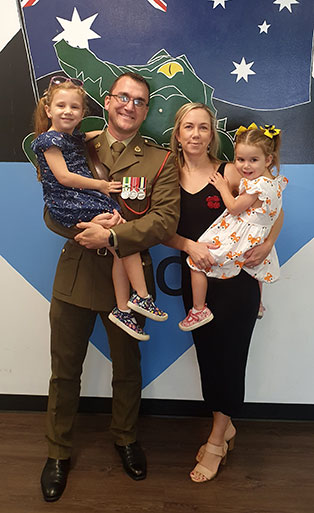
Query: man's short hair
x=134, y=76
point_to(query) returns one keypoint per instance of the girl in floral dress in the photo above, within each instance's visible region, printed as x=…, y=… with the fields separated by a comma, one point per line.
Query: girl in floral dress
x=247, y=220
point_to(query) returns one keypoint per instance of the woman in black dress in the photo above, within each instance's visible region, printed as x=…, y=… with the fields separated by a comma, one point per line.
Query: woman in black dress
x=221, y=345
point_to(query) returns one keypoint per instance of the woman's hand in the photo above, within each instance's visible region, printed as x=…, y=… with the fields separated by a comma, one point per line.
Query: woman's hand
x=108, y=187
x=257, y=255
x=199, y=253
x=108, y=220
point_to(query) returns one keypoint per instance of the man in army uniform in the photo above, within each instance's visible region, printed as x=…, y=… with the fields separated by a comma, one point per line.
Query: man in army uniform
x=83, y=285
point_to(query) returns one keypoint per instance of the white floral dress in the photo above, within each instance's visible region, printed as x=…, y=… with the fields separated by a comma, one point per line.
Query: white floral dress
x=234, y=235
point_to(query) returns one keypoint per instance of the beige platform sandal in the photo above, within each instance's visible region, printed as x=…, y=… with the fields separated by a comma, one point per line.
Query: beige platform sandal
x=202, y=472
x=230, y=435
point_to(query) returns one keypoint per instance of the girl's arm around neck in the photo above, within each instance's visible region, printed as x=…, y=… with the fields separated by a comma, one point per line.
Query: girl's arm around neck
x=91, y=135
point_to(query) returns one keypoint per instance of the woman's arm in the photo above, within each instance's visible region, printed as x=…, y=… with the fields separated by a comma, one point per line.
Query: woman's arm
x=256, y=255
x=198, y=251
x=57, y=164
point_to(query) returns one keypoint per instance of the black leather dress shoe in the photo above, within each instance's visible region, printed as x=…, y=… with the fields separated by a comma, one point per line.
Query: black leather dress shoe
x=133, y=459
x=54, y=478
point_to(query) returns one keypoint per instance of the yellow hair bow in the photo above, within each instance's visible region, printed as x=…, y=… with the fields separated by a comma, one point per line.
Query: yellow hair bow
x=241, y=128
x=270, y=130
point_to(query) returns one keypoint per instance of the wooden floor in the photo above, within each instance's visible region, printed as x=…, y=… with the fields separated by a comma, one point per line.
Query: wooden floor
x=271, y=469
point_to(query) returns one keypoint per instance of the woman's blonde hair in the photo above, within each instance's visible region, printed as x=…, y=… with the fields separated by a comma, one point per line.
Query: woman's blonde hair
x=268, y=145
x=213, y=147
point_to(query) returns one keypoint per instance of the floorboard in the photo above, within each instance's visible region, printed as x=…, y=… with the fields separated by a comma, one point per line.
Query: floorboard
x=271, y=469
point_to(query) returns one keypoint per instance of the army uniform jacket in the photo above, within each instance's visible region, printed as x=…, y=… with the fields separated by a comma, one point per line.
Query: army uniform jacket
x=83, y=276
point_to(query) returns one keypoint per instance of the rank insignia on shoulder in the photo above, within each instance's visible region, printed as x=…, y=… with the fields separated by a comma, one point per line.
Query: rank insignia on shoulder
x=153, y=144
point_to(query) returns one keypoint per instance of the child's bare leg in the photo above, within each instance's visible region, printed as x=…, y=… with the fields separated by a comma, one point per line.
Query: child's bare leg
x=120, y=282
x=199, y=289
x=261, y=309
x=134, y=270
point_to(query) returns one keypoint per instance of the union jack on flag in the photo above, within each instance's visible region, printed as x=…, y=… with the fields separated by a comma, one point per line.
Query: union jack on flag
x=28, y=3
x=159, y=4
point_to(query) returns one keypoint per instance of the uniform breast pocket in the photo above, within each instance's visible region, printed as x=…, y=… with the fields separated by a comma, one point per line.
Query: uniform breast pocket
x=138, y=203
x=67, y=268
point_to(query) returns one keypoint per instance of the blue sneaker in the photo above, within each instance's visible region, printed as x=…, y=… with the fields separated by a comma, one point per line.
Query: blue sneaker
x=127, y=322
x=147, y=307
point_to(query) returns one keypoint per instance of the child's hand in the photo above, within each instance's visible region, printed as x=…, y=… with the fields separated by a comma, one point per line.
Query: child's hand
x=108, y=187
x=91, y=135
x=108, y=220
x=218, y=181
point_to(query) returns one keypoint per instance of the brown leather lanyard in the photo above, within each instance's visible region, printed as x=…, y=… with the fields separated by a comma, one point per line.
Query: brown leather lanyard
x=103, y=175
x=100, y=169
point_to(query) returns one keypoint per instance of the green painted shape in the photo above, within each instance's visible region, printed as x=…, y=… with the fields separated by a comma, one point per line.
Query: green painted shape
x=168, y=93
x=26, y=147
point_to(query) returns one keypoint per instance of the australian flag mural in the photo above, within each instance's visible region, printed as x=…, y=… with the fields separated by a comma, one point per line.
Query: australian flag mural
x=248, y=61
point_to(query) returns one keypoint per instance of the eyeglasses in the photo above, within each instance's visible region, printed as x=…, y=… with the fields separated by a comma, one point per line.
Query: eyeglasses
x=57, y=80
x=123, y=98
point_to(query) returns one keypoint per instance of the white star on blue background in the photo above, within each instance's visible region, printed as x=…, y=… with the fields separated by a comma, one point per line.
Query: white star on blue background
x=264, y=27
x=77, y=32
x=285, y=4
x=219, y=2
x=243, y=70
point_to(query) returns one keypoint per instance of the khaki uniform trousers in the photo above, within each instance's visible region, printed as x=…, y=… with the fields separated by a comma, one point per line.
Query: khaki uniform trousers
x=71, y=328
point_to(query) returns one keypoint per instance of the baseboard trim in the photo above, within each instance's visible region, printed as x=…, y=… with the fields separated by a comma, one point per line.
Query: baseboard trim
x=167, y=407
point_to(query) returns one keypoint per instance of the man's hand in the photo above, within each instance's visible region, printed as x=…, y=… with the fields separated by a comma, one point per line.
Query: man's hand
x=257, y=255
x=199, y=253
x=108, y=220
x=93, y=236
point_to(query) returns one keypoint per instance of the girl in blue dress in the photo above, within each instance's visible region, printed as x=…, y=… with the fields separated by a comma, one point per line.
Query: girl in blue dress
x=72, y=195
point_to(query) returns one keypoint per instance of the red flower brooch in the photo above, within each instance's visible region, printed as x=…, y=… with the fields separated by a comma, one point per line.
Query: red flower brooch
x=213, y=201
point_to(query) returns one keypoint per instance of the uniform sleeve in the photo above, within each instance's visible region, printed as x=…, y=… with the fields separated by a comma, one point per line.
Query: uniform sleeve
x=59, y=229
x=161, y=220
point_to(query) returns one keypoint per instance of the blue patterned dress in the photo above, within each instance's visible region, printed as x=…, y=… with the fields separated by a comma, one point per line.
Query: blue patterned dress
x=69, y=205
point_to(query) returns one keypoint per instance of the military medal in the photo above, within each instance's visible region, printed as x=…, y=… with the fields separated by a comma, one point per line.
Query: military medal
x=134, y=187
x=126, y=187
x=142, y=188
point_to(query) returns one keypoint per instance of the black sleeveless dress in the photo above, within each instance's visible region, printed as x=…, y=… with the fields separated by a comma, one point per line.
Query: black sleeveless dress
x=221, y=345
